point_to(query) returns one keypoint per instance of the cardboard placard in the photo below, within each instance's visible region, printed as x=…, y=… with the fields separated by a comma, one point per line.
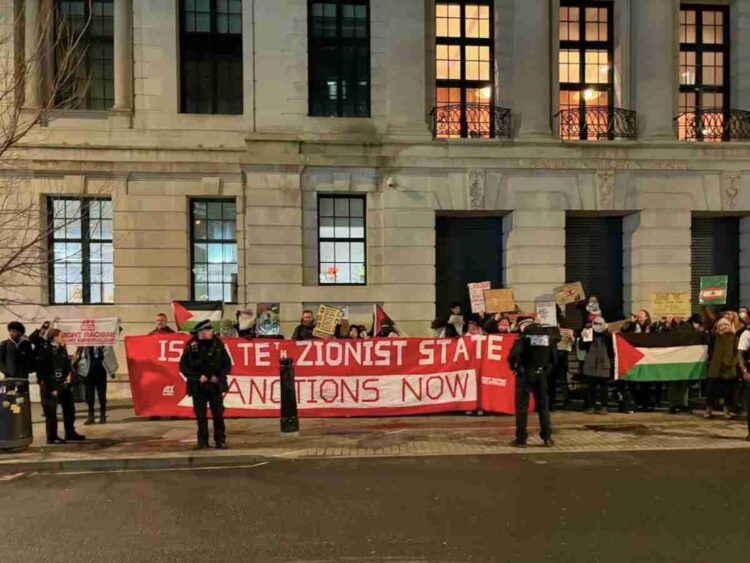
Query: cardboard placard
x=546, y=313
x=670, y=303
x=616, y=326
x=476, y=295
x=325, y=323
x=268, y=320
x=569, y=293
x=713, y=290
x=499, y=301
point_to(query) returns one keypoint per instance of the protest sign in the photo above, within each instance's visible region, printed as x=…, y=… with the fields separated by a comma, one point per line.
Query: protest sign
x=476, y=295
x=325, y=324
x=670, y=303
x=713, y=290
x=546, y=313
x=395, y=376
x=499, y=301
x=268, y=323
x=89, y=332
x=569, y=293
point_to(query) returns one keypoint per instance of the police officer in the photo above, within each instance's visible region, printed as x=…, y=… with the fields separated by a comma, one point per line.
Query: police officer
x=54, y=373
x=532, y=357
x=205, y=363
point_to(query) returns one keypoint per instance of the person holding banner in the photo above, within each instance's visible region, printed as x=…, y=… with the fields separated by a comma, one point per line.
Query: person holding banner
x=304, y=330
x=161, y=325
x=54, y=373
x=597, y=367
x=205, y=363
x=95, y=364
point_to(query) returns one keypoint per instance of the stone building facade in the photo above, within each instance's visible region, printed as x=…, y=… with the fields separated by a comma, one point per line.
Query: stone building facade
x=275, y=160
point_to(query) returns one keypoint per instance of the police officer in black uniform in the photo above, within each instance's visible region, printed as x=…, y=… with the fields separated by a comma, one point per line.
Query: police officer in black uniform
x=532, y=357
x=54, y=373
x=205, y=363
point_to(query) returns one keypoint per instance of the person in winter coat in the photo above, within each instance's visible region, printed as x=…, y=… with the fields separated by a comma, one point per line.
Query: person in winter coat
x=304, y=330
x=16, y=353
x=95, y=364
x=597, y=367
x=205, y=363
x=642, y=392
x=722, y=368
x=161, y=325
x=54, y=374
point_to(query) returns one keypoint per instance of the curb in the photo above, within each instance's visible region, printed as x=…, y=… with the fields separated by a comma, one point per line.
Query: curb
x=134, y=463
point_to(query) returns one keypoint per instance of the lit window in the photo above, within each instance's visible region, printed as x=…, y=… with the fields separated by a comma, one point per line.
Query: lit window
x=80, y=246
x=342, y=247
x=704, y=73
x=213, y=241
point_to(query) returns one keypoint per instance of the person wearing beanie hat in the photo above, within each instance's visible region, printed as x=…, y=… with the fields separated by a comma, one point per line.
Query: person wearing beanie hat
x=205, y=363
x=16, y=353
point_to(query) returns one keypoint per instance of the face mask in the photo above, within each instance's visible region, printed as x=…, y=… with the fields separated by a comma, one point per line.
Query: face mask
x=599, y=327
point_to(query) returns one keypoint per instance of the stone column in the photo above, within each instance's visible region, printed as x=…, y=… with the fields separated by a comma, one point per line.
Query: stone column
x=123, y=46
x=654, y=26
x=407, y=112
x=534, y=256
x=656, y=248
x=531, y=68
x=33, y=54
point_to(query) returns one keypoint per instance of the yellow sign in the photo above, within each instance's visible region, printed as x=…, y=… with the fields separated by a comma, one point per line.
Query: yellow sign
x=325, y=324
x=499, y=301
x=670, y=303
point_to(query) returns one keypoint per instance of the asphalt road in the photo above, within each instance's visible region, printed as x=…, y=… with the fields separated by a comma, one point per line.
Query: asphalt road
x=647, y=506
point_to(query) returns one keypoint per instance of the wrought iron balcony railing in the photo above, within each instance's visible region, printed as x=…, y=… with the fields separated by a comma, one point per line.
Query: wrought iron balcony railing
x=472, y=121
x=713, y=125
x=596, y=123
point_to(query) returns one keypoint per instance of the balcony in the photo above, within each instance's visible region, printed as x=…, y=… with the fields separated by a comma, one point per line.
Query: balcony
x=713, y=125
x=596, y=123
x=470, y=121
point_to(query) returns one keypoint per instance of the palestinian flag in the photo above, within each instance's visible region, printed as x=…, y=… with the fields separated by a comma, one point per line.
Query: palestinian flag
x=187, y=314
x=660, y=357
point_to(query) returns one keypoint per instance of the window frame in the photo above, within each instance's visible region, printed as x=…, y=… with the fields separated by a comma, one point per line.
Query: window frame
x=87, y=39
x=208, y=41
x=463, y=84
x=339, y=43
x=349, y=240
x=582, y=46
x=85, y=241
x=699, y=48
x=207, y=241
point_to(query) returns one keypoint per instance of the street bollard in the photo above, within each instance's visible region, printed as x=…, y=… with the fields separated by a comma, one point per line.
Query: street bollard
x=289, y=419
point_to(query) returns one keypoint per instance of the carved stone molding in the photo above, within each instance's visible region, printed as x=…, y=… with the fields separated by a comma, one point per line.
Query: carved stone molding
x=730, y=188
x=605, y=189
x=476, y=181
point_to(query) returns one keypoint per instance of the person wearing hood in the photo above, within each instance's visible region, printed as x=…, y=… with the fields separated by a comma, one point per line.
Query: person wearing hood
x=205, y=363
x=304, y=330
x=722, y=368
x=16, y=353
x=597, y=367
x=590, y=310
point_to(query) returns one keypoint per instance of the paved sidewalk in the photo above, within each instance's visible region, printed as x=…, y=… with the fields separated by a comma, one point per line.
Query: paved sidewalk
x=128, y=442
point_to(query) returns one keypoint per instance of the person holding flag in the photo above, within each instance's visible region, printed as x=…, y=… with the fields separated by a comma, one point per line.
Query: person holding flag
x=205, y=363
x=383, y=326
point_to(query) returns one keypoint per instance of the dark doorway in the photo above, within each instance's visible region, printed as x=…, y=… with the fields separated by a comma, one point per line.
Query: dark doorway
x=469, y=249
x=593, y=256
x=715, y=251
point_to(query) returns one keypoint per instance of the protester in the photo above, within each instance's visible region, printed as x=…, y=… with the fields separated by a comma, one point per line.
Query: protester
x=504, y=324
x=531, y=358
x=722, y=367
x=161, y=325
x=473, y=327
x=677, y=391
x=353, y=332
x=592, y=310
x=205, y=363
x=387, y=330
x=454, y=323
x=641, y=391
x=245, y=324
x=54, y=373
x=304, y=330
x=16, y=353
x=94, y=364
x=597, y=367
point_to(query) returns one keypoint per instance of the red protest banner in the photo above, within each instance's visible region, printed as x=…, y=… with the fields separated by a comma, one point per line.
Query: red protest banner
x=380, y=377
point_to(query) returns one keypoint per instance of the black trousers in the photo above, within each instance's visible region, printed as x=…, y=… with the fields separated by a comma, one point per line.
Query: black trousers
x=96, y=385
x=720, y=389
x=49, y=405
x=535, y=383
x=203, y=399
x=677, y=393
x=558, y=375
x=598, y=391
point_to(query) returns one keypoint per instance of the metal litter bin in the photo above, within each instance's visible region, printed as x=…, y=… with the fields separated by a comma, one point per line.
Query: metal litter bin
x=15, y=415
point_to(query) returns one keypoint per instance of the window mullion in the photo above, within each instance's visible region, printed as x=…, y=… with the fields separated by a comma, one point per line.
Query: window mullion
x=85, y=251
